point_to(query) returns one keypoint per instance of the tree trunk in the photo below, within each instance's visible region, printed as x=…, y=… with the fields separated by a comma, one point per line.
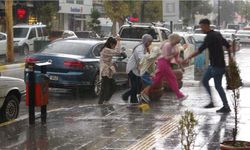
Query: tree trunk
x=9, y=30
x=113, y=31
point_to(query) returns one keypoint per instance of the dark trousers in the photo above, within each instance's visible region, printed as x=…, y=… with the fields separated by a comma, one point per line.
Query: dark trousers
x=108, y=87
x=217, y=74
x=135, y=88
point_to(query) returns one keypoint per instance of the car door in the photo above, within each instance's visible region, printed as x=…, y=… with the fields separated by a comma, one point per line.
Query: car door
x=120, y=64
x=31, y=38
x=3, y=44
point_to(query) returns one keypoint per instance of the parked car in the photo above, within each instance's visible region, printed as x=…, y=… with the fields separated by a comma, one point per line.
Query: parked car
x=229, y=35
x=3, y=43
x=75, y=64
x=131, y=35
x=25, y=35
x=12, y=91
x=87, y=34
x=61, y=34
x=244, y=36
x=67, y=34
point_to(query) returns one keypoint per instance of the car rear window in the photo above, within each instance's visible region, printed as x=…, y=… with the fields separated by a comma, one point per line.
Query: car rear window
x=68, y=47
x=137, y=32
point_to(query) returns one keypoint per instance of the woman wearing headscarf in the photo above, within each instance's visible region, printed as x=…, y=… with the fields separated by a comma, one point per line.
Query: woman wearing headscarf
x=133, y=69
x=169, y=51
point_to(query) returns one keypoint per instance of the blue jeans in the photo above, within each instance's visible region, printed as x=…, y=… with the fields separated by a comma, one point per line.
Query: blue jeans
x=217, y=74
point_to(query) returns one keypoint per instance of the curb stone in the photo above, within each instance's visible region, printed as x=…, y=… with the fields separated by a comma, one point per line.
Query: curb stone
x=12, y=66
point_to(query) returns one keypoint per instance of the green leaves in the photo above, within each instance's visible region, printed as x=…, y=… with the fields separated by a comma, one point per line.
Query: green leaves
x=233, y=76
x=186, y=127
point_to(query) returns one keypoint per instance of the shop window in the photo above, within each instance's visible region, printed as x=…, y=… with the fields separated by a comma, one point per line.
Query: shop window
x=80, y=2
x=70, y=1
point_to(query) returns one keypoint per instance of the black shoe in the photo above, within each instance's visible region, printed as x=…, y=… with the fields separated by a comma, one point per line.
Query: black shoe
x=210, y=105
x=224, y=110
x=124, y=98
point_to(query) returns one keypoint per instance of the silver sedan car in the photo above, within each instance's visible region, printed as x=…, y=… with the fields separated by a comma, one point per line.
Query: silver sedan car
x=12, y=91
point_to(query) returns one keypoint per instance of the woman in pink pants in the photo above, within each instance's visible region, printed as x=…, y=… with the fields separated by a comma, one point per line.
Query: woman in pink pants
x=164, y=70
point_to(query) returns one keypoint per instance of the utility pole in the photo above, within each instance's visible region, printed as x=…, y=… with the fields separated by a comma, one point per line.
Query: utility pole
x=9, y=30
x=219, y=14
x=142, y=10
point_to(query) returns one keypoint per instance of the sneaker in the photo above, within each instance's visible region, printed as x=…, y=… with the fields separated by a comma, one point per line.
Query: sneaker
x=139, y=99
x=224, y=110
x=210, y=105
x=145, y=98
x=183, y=98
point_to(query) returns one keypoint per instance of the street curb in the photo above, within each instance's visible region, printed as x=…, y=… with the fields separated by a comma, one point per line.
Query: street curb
x=12, y=66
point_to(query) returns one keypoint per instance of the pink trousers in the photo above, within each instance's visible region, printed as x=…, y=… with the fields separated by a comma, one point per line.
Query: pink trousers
x=164, y=71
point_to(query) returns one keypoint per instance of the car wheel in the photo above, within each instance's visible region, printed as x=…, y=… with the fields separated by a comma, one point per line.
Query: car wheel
x=25, y=50
x=10, y=108
x=97, y=86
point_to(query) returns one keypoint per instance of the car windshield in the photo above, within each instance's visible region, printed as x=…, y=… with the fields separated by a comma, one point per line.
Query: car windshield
x=20, y=32
x=137, y=32
x=68, y=47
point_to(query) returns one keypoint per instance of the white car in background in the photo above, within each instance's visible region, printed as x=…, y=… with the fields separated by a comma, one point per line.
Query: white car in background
x=244, y=36
x=131, y=35
x=12, y=91
x=229, y=35
x=187, y=45
x=3, y=43
x=25, y=35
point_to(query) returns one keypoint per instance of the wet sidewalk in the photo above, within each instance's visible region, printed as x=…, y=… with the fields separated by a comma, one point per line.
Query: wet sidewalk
x=124, y=126
x=121, y=126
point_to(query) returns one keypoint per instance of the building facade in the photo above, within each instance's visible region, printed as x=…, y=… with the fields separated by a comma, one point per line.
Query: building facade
x=74, y=14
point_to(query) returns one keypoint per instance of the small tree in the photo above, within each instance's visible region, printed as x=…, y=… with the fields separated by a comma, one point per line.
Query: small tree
x=187, y=131
x=95, y=23
x=233, y=83
x=117, y=11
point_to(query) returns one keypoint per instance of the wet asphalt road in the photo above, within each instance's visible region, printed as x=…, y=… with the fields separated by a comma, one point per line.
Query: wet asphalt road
x=61, y=98
x=83, y=126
